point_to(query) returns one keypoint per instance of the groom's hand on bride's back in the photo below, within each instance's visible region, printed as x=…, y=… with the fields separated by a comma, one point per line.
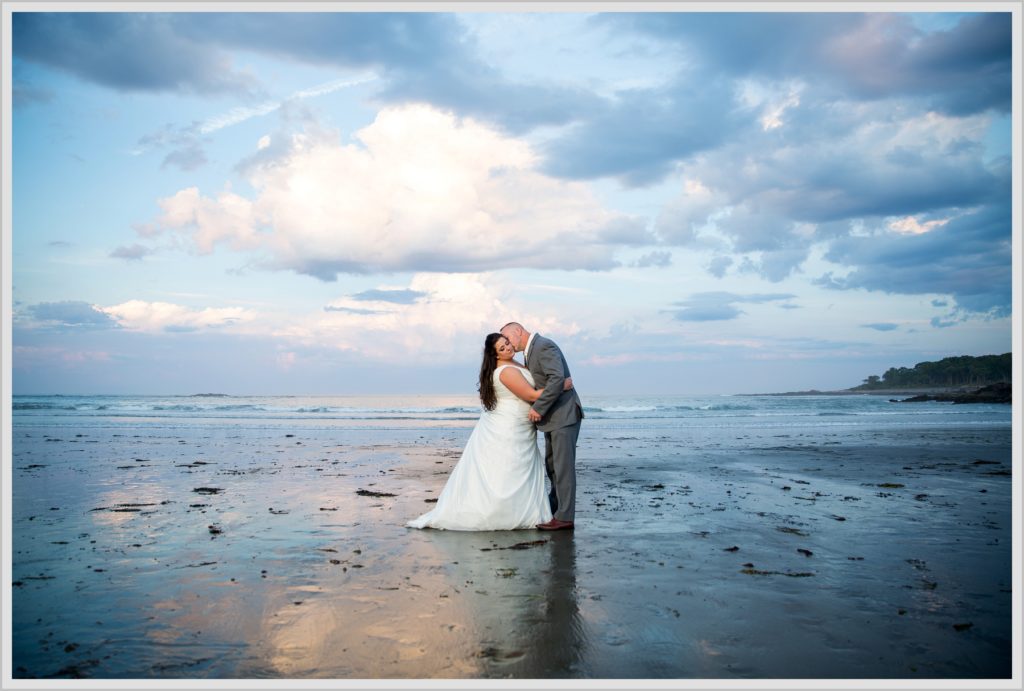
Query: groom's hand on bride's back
x=568, y=383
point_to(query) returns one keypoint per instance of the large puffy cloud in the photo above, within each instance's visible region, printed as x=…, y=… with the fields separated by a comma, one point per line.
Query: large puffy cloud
x=228, y=218
x=418, y=190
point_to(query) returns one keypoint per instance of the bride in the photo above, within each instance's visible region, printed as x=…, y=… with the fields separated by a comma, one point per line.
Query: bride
x=498, y=483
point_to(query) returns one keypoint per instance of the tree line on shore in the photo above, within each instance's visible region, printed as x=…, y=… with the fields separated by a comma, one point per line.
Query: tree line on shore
x=963, y=370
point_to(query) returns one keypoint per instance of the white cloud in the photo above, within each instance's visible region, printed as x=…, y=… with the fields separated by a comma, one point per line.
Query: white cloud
x=771, y=99
x=420, y=190
x=772, y=118
x=139, y=315
x=228, y=218
x=909, y=225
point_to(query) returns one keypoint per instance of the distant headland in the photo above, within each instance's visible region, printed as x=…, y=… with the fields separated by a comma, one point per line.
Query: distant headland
x=960, y=379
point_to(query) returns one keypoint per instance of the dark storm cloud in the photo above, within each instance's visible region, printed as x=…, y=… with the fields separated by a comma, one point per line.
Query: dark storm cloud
x=969, y=258
x=820, y=183
x=857, y=183
x=414, y=40
x=640, y=137
x=963, y=70
x=136, y=51
x=735, y=43
x=423, y=56
x=843, y=57
x=720, y=306
x=872, y=168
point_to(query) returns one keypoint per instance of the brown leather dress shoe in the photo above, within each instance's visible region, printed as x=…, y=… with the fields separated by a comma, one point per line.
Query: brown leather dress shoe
x=555, y=524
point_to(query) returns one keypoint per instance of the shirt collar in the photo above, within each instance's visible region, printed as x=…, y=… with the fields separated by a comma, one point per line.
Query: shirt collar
x=529, y=343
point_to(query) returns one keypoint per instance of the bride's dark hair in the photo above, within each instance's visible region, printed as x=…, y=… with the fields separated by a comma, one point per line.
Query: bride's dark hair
x=487, y=395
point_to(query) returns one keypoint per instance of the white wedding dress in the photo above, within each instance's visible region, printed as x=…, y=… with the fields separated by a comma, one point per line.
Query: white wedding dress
x=498, y=483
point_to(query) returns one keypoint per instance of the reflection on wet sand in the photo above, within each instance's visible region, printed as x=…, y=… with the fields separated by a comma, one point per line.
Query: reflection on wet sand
x=521, y=617
x=468, y=605
x=558, y=642
x=367, y=619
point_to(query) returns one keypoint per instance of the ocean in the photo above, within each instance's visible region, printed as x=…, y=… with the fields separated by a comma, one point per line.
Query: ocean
x=404, y=412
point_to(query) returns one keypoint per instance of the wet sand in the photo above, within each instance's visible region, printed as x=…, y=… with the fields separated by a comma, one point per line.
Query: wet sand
x=223, y=553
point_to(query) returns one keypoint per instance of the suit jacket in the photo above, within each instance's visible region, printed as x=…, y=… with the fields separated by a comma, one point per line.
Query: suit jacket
x=557, y=407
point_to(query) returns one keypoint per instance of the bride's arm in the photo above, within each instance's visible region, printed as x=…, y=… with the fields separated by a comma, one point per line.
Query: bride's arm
x=517, y=384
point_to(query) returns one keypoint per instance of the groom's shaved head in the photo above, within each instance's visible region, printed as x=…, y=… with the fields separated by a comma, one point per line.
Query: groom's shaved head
x=515, y=333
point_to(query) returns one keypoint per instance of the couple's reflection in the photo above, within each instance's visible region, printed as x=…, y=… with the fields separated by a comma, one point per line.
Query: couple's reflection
x=517, y=600
x=557, y=645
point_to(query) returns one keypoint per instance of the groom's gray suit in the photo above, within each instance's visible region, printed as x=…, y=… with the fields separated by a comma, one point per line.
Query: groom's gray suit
x=561, y=413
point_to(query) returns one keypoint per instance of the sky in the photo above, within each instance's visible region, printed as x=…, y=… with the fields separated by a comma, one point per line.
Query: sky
x=349, y=202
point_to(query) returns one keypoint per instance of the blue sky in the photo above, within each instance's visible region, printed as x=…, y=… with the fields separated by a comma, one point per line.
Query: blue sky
x=349, y=202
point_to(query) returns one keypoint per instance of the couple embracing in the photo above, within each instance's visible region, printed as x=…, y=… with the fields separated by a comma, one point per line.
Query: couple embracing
x=498, y=483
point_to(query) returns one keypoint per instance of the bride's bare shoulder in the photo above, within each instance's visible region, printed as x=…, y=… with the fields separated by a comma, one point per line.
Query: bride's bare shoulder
x=510, y=368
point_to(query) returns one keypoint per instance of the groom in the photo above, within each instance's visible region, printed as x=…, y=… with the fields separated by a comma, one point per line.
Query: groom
x=557, y=413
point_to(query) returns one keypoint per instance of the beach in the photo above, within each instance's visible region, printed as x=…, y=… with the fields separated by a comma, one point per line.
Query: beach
x=834, y=539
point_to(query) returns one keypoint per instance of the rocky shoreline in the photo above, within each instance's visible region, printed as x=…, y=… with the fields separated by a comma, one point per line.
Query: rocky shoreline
x=993, y=393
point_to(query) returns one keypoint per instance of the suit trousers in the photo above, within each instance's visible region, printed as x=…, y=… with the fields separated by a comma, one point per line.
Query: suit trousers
x=560, y=463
